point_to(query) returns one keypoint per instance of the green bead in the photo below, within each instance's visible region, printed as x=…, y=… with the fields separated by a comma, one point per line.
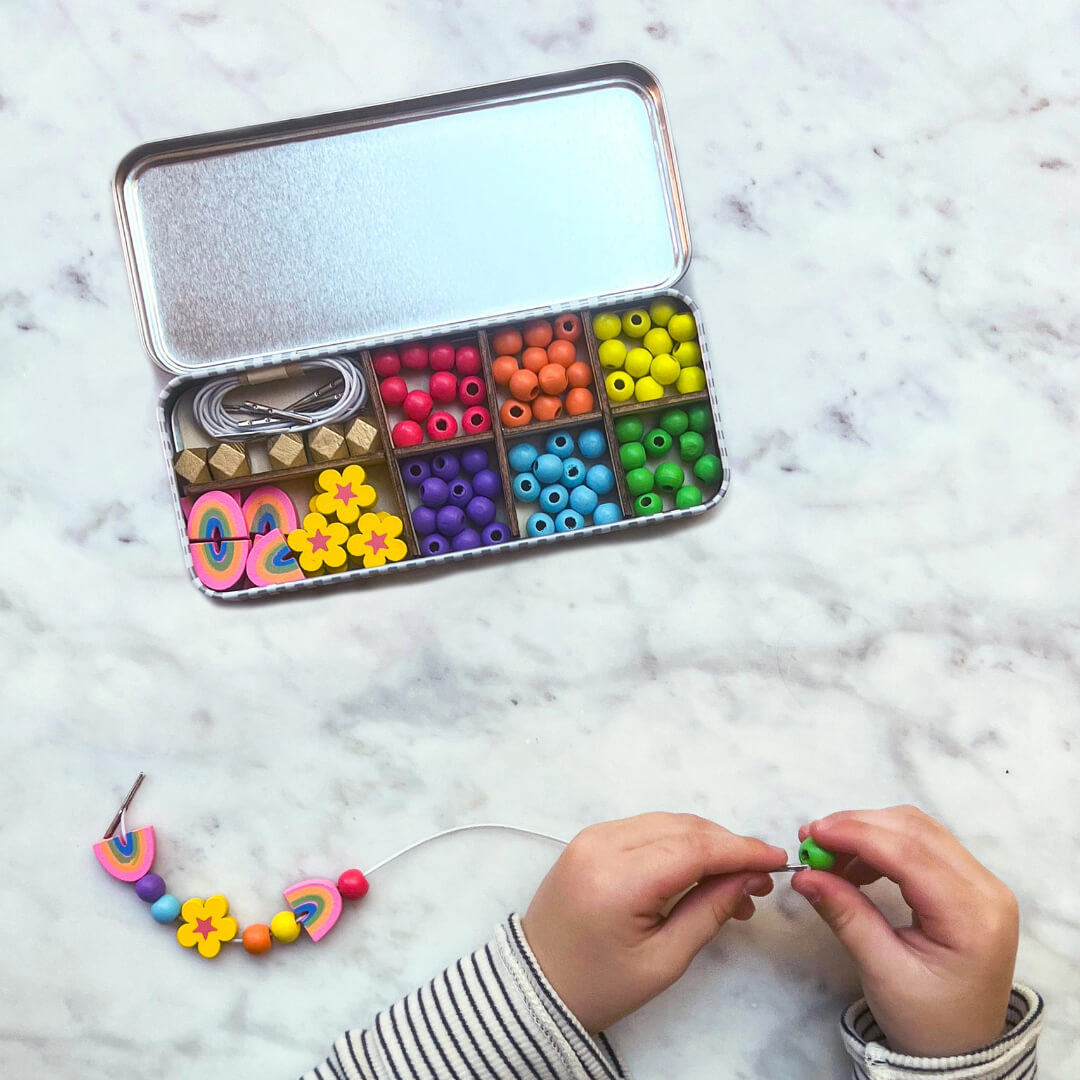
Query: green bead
x=639, y=481
x=632, y=455
x=708, y=469
x=688, y=496
x=660, y=311
x=816, y=857
x=629, y=429
x=691, y=446
x=700, y=418
x=657, y=443
x=670, y=477
x=648, y=504
x=675, y=422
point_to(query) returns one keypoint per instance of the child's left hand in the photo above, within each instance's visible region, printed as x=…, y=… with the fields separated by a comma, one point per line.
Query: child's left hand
x=597, y=925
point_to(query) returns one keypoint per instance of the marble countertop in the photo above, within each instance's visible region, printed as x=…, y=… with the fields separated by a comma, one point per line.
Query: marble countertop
x=883, y=200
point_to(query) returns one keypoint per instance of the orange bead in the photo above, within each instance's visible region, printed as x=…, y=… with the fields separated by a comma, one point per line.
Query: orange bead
x=568, y=328
x=515, y=413
x=538, y=334
x=546, y=407
x=535, y=358
x=579, y=374
x=524, y=385
x=552, y=378
x=506, y=343
x=562, y=352
x=503, y=368
x=256, y=938
x=579, y=401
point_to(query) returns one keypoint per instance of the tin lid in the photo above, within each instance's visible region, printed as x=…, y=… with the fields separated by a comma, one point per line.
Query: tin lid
x=397, y=220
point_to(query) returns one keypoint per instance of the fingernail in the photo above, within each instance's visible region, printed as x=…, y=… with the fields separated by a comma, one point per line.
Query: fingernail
x=756, y=885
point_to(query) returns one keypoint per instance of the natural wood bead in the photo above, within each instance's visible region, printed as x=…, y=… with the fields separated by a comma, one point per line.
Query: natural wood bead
x=228, y=460
x=286, y=451
x=327, y=443
x=190, y=465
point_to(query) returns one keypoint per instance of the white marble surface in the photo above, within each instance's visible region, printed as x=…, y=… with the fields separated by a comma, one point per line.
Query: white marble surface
x=883, y=198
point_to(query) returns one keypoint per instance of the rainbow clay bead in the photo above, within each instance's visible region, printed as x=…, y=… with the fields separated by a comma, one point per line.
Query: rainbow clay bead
x=526, y=488
x=547, y=468
x=629, y=429
x=637, y=363
x=619, y=386
x=648, y=389
x=284, y=927
x=669, y=477
x=522, y=456
x=648, y=504
x=573, y=473
x=690, y=380
x=635, y=323
x=554, y=498
x=560, y=443
x=700, y=418
x=540, y=525
x=658, y=341
x=584, y=500
x=600, y=478
x=691, y=446
x=688, y=353
x=657, y=443
x=665, y=369
x=639, y=481
x=606, y=326
x=708, y=469
x=591, y=443
x=687, y=496
x=612, y=354
x=568, y=521
x=607, y=514
x=632, y=455
x=661, y=310
x=487, y=482
x=675, y=422
x=816, y=857
x=682, y=327
x=165, y=909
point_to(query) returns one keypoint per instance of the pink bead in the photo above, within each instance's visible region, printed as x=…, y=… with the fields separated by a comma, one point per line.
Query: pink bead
x=393, y=390
x=441, y=357
x=476, y=420
x=386, y=363
x=417, y=405
x=471, y=390
x=414, y=357
x=443, y=385
x=441, y=425
x=352, y=885
x=407, y=433
x=468, y=360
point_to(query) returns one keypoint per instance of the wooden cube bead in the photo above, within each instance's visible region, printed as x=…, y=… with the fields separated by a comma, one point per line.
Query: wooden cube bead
x=327, y=443
x=228, y=460
x=286, y=451
x=190, y=465
x=360, y=436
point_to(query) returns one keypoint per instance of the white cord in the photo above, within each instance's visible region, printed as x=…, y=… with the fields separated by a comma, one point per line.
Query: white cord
x=459, y=829
x=346, y=394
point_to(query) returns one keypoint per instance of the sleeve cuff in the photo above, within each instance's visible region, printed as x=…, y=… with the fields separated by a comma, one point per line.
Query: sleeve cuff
x=1012, y=1057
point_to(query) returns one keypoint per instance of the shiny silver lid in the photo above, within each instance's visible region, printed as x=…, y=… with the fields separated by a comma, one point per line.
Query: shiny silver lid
x=396, y=220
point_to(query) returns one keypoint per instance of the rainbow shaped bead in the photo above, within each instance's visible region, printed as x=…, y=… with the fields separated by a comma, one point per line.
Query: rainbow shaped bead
x=219, y=564
x=317, y=905
x=216, y=515
x=272, y=561
x=268, y=508
x=127, y=858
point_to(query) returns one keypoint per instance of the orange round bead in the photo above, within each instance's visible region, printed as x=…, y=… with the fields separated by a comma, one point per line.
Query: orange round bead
x=562, y=352
x=256, y=939
x=579, y=401
x=524, y=385
x=552, y=378
x=538, y=334
x=503, y=367
x=547, y=407
x=579, y=374
x=535, y=358
x=515, y=413
x=568, y=328
x=506, y=343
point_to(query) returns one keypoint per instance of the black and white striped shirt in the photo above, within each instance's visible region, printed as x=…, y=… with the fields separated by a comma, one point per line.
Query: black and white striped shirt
x=493, y=1016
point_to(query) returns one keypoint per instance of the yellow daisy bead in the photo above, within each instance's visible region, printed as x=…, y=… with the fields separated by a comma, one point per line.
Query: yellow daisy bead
x=637, y=363
x=658, y=341
x=648, y=389
x=690, y=380
x=665, y=369
x=284, y=927
x=206, y=925
x=377, y=540
x=343, y=494
x=688, y=353
x=319, y=544
x=612, y=354
x=619, y=386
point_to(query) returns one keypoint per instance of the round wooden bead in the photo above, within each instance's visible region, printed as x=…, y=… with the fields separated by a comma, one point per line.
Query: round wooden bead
x=579, y=374
x=466, y=540
x=612, y=354
x=607, y=514
x=503, y=369
x=445, y=466
x=632, y=455
x=675, y=422
x=560, y=443
x=417, y=405
x=687, y=496
x=450, y=520
x=665, y=369
x=568, y=521
x=639, y=481
x=584, y=500
x=407, y=433
x=526, y=488
x=540, y=525
x=591, y=443
x=548, y=407
x=495, y=533
x=552, y=379
x=708, y=469
x=600, y=478
x=648, y=504
x=700, y=418
x=524, y=385
x=256, y=939
x=635, y=323
x=284, y=927
x=461, y=492
x=414, y=357
x=568, y=328
x=506, y=342
x=637, y=363
x=434, y=492
x=547, y=468
x=688, y=353
x=441, y=425
x=467, y=360
x=812, y=854
x=474, y=459
x=562, y=353
x=386, y=362
x=657, y=443
x=538, y=334
x=648, y=389
x=471, y=390
x=619, y=386
x=691, y=446
x=150, y=887
x=353, y=885
x=423, y=519
x=658, y=341
x=554, y=498
x=441, y=356
x=580, y=401
x=629, y=429
x=681, y=327
x=415, y=471
x=573, y=472
x=434, y=544
x=393, y=390
x=166, y=908
x=475, y=420
x=442, y=386
x=487, y=482
x=690, y=380
x=606, y=326
x=534, y=359
x=669, y=477
x=661, y=310
x=522, y=456
x=515, y=413
x=480, y=511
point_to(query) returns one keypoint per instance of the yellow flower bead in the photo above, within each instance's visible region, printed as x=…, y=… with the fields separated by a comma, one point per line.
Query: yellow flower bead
x=311, y=503
x=619, y=385
x=377, y=540
x=637, y=363
x=284, y=927
x=682, y=327
x=343, y=494
x=612, y=354
x=606, y=325
x=690, y=380
x=660, y=311
x=665, y=369
x=648, y=389
x=658, y=341
x=688, y=353
x=319, y=544
x=207, y=923
x=635, y=323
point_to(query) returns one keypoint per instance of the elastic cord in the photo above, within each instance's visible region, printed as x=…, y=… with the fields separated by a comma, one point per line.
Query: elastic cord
x=460, y=829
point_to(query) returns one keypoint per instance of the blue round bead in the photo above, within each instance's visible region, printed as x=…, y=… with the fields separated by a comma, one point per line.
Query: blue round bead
x=465, y=540
x=423, y=519
x=554, y=498
x=526, y=488
x=584, y=500
x=547, y=468
x=165, y=909
x=450, y=520
x=461, y=492
x=415, y=472
x=600, y=478
x=522, y=456
x=488, y=483
x=573, y=472
x=434, y=492
x=539, y=525
x=591, y=443
x=568, y=521
x=445, y=466
x=480, y=511
x=474, y=459
x=607, y=514
x=434, y=545
x=561, y=443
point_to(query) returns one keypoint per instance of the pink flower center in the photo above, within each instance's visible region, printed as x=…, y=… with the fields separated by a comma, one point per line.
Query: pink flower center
x=204, y=927
x=345, y=493
x=319, y=541
x=378, y=542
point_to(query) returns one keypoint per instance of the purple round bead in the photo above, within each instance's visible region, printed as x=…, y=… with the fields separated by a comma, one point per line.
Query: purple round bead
x=434, y=545
x=466, y=539
x=415, y=472
x=480, y=511
x=150, y=887
x=434, y=492
x=474, y=459
x=461, y=492
x=450, y=520
x=423, y=519
x=495, y=533
x=445, y=466
x=488, y=483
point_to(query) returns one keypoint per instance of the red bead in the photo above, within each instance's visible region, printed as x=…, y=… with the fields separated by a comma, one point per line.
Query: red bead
x=417, y=405
x=443, y=386
x=476, y=420
x=393, y=390
x=468, y=360
x=353, y=885
x=407, y=433
x=415, y=357
x=386, y=363
x=441, y=357
x=441, y=425
x=471, y=390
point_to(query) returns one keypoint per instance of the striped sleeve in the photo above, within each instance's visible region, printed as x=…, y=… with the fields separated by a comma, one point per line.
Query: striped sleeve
x=490, y=1016
x=1012, y=1057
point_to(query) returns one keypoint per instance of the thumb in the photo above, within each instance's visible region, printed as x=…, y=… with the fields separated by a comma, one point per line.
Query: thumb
x=697, y=917
x=850, y=915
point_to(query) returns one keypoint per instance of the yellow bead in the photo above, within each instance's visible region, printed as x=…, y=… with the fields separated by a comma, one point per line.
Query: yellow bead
x=688, y=353
x=658, y=341
x=660, y=311
x=606, y=325
x=648, y=389
x=637, y=362
x=665, y=369
x=635, y=323
x=681, y=327
x=284, y=927
x=612, y=353
x=690, y=380
x=620, y=387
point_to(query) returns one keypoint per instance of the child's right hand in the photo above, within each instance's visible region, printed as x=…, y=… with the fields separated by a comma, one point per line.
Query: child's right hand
x=940, y=986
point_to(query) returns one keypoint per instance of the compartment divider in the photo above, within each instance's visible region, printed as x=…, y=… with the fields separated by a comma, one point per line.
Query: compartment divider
x=606, y=411
x=486, y=360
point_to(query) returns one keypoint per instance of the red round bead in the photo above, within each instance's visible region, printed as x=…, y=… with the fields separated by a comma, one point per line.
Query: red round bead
x=353, y=885
x=471, y=390
x=393, y=390
x=468, y=360
x=407, y=433
x=443, y=386
x=415, y=357
x=441, y=357
x=476, y=420
x=417, y=405
x=386, y=363
x=441, y=425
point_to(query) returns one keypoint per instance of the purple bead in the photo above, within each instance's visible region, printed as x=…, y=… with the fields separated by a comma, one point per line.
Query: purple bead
x=150, y=887
x=434, y=545
x=495, y=533
x=465, y=540
x=461, y=492
x=488, y=483
x=445, y=466
x=480, y=511
x=415, y=472
x=450, y=520
x=423, y=519
x=474, y=459
x=434, y=492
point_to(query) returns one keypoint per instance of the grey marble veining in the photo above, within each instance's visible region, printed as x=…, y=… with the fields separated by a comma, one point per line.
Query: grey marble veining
x=884, y=208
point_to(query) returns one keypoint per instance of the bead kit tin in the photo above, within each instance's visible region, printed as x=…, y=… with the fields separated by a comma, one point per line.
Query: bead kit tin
x=411, y=334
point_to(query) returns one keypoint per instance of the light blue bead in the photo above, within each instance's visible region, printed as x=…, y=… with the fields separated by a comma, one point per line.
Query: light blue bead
x=547, y=468
x=540, y=525
x=591, y=443
x=561, y=443
x=584, y=500
x=522, y=456
x=526, y=488
x=573, y=472
x=568, y=521
x=554, y=498
x=606, y=514
x=165, y=909
x=600, y=478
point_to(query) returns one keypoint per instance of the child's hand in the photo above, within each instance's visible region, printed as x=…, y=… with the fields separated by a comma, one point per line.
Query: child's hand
x=940, y=986
x=597, y=924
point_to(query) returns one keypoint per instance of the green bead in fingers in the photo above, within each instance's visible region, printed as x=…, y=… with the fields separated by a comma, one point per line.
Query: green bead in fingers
x=816, y=857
